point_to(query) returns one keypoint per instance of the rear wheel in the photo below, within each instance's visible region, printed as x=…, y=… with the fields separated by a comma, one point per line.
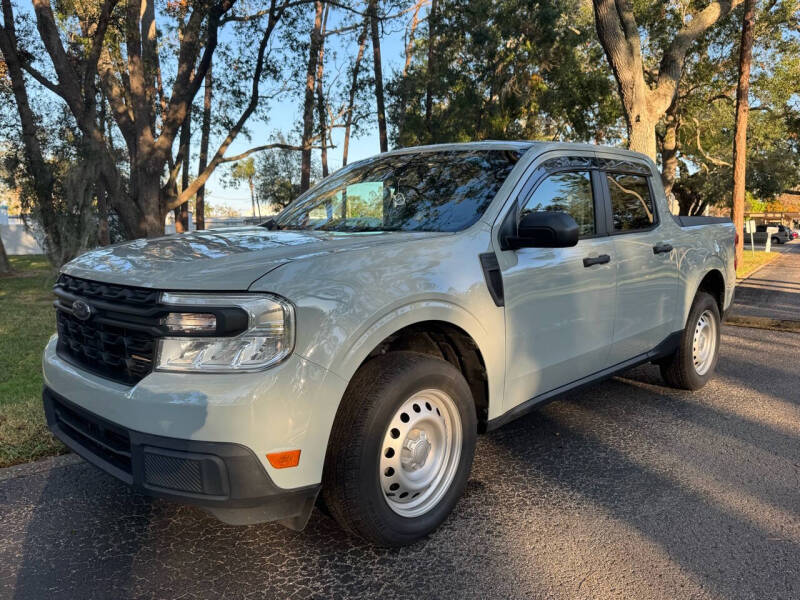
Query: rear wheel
x=776, y=240
x=401, y=448
x=693, y=363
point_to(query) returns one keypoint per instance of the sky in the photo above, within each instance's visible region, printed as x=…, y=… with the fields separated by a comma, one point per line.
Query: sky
x=284, y=115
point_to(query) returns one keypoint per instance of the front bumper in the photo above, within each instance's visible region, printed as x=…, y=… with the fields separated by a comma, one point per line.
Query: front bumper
x=225, y=479
x=290, y=406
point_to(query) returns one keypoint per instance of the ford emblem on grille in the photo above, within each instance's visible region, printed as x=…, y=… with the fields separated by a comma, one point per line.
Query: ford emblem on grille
x=81, y=310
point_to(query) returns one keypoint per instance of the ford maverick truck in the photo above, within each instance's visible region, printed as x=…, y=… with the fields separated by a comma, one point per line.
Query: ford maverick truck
x=349, y=351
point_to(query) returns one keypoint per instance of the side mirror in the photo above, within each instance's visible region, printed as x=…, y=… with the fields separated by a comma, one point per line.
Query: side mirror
x=543, y=229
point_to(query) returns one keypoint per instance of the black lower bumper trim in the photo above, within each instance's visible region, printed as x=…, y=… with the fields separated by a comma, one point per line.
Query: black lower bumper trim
x=226, y=479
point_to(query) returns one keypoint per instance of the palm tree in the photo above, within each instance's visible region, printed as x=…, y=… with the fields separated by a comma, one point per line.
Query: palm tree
x=245, y=170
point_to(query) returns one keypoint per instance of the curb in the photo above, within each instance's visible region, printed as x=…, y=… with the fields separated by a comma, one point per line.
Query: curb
x=763, y=323
x=40, y=466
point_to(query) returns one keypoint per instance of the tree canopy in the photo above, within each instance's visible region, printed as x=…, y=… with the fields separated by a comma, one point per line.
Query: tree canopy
x=115, y=112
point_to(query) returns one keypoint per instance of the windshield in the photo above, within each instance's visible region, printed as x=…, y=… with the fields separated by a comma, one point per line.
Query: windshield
x=424, y=191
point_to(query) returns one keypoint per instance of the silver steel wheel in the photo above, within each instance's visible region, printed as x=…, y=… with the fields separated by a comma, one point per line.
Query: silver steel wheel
x=704, y=342
x=420, y=453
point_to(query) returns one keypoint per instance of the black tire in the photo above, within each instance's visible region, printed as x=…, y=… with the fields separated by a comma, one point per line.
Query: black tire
x=776, y=241
x=351, y=481
x=678, y=370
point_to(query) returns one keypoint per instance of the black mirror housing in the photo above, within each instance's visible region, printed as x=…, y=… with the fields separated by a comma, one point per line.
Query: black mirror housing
x=545, y=229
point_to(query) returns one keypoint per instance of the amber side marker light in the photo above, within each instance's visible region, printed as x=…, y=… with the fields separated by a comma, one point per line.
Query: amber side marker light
x=284, y=460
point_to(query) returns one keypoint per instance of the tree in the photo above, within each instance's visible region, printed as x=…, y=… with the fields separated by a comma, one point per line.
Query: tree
x=116, y=51
x=277, y=177
x=222, y=211
x=350, y=115
x=742, y=110
x=308, y=103
x=372, y=11
x=646, y=91
x=321, y=104
x=480, y=71
x=696, y=137
x=245, y=171
x=205, y=134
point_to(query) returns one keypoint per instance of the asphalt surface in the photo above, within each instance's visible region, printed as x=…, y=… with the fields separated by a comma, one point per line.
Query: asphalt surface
x=773, y=291
x=624, y=490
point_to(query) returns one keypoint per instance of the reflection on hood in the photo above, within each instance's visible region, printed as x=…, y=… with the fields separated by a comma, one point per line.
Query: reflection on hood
x=219, y=259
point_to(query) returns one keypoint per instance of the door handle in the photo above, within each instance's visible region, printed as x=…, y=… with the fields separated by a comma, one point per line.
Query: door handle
x=599, y=260
x=659, y=248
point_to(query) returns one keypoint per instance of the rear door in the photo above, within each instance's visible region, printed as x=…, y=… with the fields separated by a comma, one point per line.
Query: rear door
x=646, y=262
x=559, y=306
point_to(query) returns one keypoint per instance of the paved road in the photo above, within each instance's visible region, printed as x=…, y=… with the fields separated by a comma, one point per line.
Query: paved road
x=772, y=292
x=627, y=490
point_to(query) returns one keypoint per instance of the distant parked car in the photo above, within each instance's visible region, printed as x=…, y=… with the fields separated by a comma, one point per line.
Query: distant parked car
x=781, y=236
x=794, y=233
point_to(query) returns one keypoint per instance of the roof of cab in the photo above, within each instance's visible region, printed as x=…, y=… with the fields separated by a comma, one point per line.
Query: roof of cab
x=483, y=145
x=523, y=146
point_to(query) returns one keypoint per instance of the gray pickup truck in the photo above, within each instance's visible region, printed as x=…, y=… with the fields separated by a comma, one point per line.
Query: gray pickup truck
x=350, y=350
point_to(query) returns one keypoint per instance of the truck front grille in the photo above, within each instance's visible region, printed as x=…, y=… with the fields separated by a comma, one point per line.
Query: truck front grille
x=117, y=339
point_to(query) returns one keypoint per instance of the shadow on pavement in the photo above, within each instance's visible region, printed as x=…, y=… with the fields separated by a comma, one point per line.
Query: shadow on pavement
x=626, y=489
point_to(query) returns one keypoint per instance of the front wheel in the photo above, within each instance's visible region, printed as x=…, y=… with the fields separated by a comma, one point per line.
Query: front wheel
x=693, y=363
x=401, y=448
x=776, y=241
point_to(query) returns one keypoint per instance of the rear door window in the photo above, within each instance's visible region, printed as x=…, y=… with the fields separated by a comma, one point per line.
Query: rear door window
x=632, y=206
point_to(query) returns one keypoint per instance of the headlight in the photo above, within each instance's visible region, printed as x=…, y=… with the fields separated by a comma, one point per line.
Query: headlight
x=267, y=339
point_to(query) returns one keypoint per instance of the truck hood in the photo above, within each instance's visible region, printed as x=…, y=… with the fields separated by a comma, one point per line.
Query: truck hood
x=219, y=259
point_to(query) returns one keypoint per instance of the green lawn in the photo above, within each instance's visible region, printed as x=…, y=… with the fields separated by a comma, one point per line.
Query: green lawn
x=26, y=322
x=752, y=260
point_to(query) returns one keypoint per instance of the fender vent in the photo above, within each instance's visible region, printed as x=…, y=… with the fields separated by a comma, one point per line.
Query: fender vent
x=494, y=279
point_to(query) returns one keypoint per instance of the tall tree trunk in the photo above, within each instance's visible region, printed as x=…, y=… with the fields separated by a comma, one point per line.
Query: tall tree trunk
x=376, y=53
x=669, y=152
x=103, y=233
x=308, y=103
x=430, y=70
x=362, y=43
x=205, y=132
x=147, y=179
x=323, y=127
x=640, y=118
x=182, y=211
x=740, y=131
x=411, y=31
x=5, y=265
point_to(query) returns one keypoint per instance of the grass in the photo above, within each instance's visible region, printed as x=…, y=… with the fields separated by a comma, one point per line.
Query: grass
x=752, y=260
x=27, y=321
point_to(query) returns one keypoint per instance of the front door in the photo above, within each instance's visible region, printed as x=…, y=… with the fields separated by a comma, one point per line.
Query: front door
x=559, y=307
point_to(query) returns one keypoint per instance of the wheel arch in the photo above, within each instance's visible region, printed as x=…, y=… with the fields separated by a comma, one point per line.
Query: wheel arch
x=713, y=283
x=709, y=279
x=443, y=330
x=446, y=341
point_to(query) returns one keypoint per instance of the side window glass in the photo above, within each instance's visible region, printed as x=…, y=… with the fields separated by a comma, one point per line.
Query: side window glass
x=569, y=192
x=631, y=203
